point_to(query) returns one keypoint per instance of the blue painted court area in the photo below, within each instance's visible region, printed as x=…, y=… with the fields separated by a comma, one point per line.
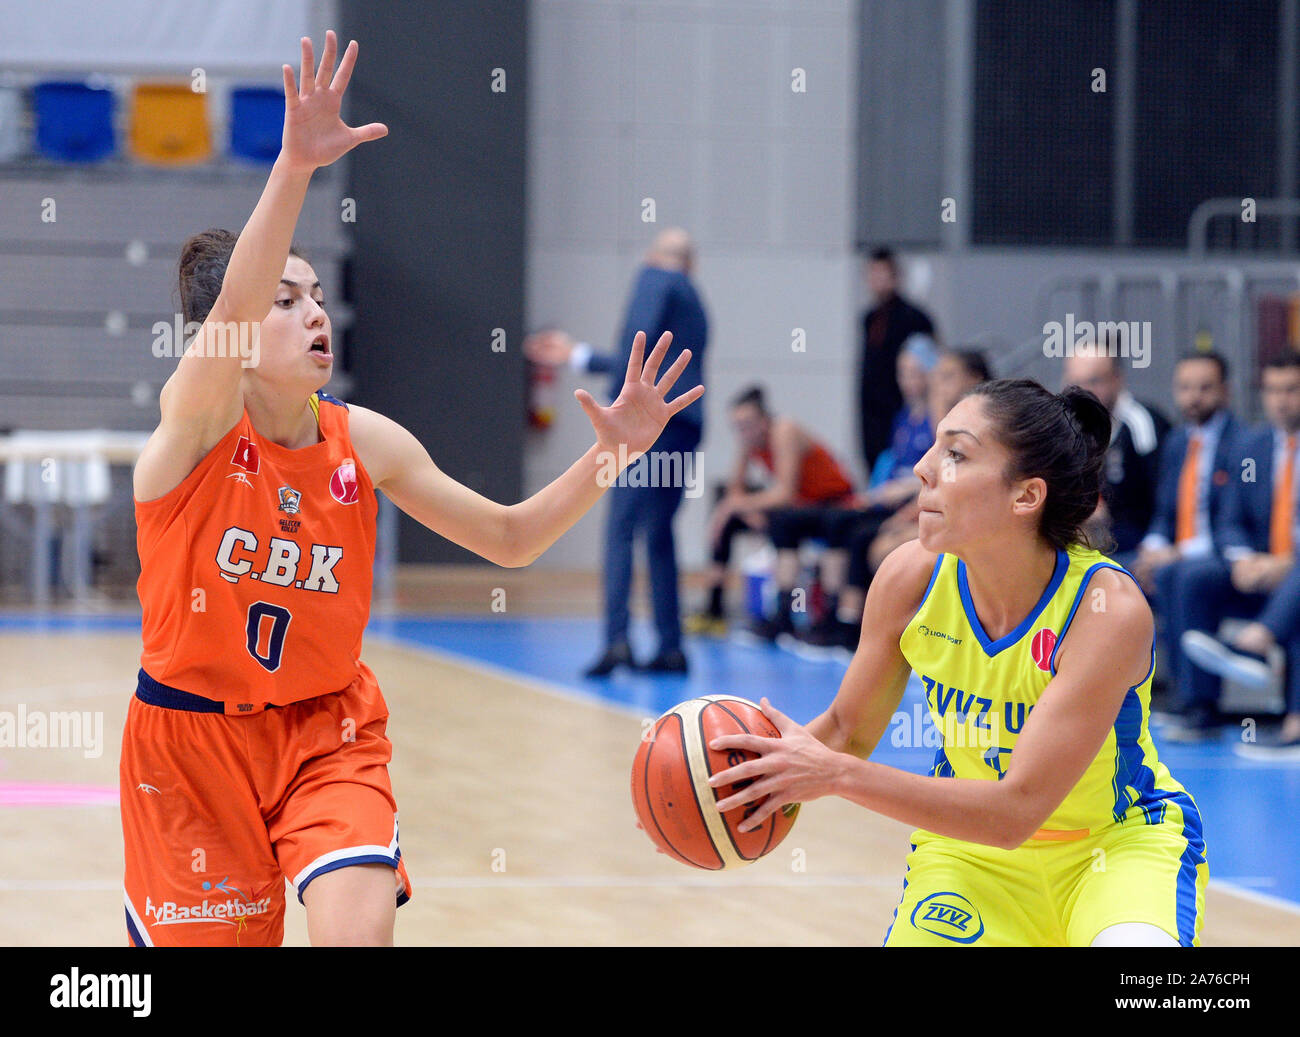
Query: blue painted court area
x=1249, y=807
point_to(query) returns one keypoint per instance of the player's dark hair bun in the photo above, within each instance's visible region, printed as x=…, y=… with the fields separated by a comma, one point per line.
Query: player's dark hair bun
x=204, y=258
x=1061, y=438
x=1092, y=416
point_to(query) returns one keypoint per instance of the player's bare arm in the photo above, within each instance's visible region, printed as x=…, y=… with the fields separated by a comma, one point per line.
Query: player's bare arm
x=202, y=399
x=873, y=684
x=1061, y=737
x=515, y=535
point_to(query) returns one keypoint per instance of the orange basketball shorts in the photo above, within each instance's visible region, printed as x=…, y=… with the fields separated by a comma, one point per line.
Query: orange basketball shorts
x=218, y=811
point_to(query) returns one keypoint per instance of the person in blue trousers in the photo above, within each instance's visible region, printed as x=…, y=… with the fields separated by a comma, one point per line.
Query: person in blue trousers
x=646, y=497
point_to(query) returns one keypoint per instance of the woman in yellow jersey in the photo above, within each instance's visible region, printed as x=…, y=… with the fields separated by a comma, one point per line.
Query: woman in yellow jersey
x=1046, y=818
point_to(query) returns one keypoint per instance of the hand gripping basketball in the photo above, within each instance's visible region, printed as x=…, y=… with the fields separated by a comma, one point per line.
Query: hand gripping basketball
x=792, y=768
x=677, y=804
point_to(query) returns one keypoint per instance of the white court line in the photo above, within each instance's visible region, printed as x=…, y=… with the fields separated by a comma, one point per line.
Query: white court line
x=714, y=881
x=58, y=885
x=1267, y=899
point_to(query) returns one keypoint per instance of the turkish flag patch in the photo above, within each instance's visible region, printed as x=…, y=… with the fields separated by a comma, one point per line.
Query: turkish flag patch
x=246, y=456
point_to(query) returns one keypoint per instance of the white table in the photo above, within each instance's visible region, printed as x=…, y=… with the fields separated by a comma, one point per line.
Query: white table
x=71, y=468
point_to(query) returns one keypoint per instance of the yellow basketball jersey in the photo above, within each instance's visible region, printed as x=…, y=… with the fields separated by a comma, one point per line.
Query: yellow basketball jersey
x=981, y=691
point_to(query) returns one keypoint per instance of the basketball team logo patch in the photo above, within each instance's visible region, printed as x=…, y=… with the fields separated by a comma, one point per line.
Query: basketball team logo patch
x=1041, y=648
x=949, y=915
x=290, y=500
x=343, y=483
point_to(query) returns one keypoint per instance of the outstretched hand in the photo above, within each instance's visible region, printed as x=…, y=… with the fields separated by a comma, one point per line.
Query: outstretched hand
x=314, y=133
x=795, y=768
x=635, y=419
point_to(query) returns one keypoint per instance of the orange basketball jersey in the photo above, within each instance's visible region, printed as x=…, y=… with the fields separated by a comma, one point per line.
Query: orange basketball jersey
x=256, y=570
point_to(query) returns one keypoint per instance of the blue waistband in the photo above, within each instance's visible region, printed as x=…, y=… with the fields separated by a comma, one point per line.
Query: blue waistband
x=151, y=691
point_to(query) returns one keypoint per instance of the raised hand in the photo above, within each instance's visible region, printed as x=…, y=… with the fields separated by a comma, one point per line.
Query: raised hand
x=635, y=419
x=314, y=134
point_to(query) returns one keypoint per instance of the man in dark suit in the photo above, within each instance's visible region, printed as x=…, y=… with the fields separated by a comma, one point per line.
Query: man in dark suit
x=1194, y=465
x=1198, y=462
x=663, y=299
x=885, y=327
x=1263, y=580
x=1137, y=430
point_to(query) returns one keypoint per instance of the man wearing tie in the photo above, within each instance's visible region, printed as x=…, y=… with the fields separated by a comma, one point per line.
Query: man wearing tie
x=1198, y=461
x=1264, y=582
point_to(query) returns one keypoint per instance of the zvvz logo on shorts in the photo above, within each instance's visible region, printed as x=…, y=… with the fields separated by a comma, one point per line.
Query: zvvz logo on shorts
x=949, y=915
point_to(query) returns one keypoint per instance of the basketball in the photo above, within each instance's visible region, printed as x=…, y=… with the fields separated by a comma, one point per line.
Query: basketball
x=671, y=792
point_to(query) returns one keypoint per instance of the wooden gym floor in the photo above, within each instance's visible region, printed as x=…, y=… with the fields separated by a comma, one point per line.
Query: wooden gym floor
x=516, y=821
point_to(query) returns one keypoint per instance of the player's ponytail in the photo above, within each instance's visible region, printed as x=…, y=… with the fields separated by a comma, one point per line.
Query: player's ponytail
x=1093, y=420
x=204, y=258
x=1061, y=438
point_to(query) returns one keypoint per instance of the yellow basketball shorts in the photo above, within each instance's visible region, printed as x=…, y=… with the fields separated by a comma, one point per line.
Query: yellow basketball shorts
x=1040, y=894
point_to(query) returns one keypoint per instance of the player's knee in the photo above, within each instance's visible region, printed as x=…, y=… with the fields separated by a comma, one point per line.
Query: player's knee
x=1133, y=934
x=352, y=907
x=351, y=933
x=340, y=923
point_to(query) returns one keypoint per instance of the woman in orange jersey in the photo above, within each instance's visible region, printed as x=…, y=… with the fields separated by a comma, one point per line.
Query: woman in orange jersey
x=255, y=747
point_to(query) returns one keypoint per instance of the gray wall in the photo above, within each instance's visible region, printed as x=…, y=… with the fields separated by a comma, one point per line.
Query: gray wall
x=1000, y=299
x=691, y=104
x=439, y=245
x=900, y=147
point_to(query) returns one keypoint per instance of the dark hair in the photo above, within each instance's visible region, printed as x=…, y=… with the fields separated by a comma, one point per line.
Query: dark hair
x=1283, y=361
x=1212, y=357
x=204, y=258
x=972, y=360
x=1061, y=438
x=886, y=256
x=753, y=395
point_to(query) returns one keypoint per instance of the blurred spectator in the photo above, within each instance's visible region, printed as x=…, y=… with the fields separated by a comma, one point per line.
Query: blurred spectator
x=1200, y=464
x=912, y=432
x=858, y=541
x=1195, y=464
x=1137, y=430
x=663, y=299
x=1257, y=576
x=803, y=473
x=885, y=327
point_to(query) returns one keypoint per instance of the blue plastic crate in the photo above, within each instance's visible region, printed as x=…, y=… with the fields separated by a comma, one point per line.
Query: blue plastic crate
x=256, y=122
x=74, y=122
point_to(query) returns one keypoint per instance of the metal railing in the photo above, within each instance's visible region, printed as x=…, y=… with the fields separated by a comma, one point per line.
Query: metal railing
x=1243, y=235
